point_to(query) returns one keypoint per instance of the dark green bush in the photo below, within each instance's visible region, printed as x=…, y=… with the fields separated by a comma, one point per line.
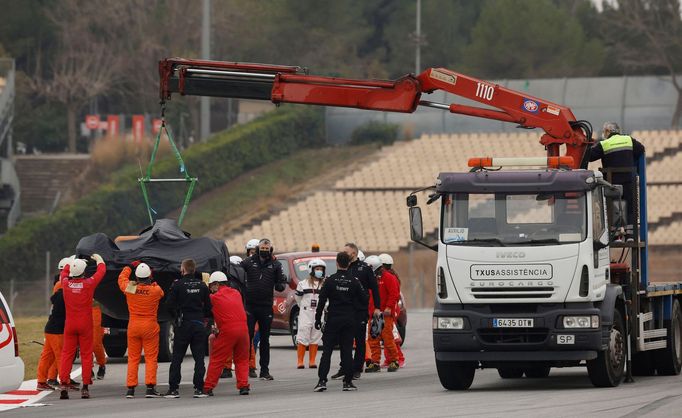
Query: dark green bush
x=384, y=133
x=117, y=207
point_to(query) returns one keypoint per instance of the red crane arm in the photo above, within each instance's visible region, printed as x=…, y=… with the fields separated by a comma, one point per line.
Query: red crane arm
x=291, y=84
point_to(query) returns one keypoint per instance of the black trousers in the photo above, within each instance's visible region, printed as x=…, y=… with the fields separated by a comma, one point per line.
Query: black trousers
x=338, y=330
x=360, y=336
x=190, y=334
x=263, y=316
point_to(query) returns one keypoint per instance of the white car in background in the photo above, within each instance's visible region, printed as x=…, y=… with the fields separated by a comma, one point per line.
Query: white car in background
x=11, y=365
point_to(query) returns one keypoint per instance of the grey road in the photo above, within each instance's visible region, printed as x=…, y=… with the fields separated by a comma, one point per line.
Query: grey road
x=412, y=391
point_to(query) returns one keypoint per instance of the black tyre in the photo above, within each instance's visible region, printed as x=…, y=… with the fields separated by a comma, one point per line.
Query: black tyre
x=607, y=370
x=510, y=372
x=293, y=325
x=166, y=339
x=403, y=333
x=643, y=364
x=116, y=351
x=669, y=359
x=537, y=372
x=115, y=346
x=456, y=375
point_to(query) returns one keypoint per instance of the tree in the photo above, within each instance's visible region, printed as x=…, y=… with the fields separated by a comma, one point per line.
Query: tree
x=646, y=36
x=530, y=38
x=85, y=66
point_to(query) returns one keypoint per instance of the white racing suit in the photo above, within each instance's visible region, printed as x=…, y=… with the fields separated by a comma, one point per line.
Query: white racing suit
x=307, y=296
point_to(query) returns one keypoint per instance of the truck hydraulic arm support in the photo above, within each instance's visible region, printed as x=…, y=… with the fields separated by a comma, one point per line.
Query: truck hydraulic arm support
x=291, y=84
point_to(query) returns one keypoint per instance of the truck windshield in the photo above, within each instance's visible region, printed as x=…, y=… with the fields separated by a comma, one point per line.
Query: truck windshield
x=502, y=219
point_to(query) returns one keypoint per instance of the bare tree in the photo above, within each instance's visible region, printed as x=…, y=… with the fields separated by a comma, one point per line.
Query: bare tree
x=647, y=36
x=87, y=65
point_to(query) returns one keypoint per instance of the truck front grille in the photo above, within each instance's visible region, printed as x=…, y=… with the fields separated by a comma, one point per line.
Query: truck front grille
x=512, y=292
x=512, y=335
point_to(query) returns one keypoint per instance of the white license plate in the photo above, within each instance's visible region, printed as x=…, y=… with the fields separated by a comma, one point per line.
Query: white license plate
x=512, y=323
x=565, y=339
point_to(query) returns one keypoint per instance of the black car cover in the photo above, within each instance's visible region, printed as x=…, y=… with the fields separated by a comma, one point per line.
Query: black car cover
x=162, y=246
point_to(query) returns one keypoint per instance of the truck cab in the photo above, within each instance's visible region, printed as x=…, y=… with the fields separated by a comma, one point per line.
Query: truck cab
x=523, y=275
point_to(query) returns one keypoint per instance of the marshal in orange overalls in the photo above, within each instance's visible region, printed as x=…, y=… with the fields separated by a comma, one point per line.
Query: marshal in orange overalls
x=143, y=327
x=78, y=297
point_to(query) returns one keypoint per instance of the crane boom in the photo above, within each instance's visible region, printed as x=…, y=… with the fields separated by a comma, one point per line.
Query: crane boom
x=292, y=84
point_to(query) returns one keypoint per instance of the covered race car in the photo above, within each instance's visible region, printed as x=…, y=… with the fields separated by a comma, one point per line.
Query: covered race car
x=162, y=246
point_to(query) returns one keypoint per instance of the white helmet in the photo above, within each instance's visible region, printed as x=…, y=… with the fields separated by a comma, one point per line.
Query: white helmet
x=374, y=262
x=316, y=262
x=217, y=276
x=361, y=255
x=63, y=262
x=77, y=267
x=386, y=259
x=142, y=271
x=235, y=259
x=252, y=244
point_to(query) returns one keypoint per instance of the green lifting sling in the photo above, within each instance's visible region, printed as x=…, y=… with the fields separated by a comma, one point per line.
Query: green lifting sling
x=148, y=178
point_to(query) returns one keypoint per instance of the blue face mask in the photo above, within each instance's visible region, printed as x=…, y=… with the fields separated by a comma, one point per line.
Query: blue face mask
x=319, y=274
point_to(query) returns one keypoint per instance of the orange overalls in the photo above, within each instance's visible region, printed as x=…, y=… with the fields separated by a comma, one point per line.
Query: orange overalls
x=52, y=349
x=232, y=339
x=78, y=297
x=252, y=355
x=143, y=327
x=389, y=293
x=98, y=336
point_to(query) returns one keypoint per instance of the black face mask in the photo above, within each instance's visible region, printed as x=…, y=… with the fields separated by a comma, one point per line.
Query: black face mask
x=264, y=256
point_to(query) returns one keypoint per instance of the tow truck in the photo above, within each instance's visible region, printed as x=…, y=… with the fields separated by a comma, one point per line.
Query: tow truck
x=529, y=276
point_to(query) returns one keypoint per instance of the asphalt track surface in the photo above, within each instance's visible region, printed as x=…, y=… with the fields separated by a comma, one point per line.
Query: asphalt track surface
x=413, y=391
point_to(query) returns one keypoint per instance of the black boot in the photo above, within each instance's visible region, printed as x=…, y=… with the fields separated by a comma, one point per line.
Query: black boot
x=151, y=392
x=101, y=372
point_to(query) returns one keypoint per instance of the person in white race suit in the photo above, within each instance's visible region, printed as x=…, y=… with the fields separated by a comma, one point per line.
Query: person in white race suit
x=307, y=296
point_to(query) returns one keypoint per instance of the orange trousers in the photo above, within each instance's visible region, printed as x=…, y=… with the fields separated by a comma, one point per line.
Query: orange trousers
x=228, y=362
x=231, y=342
x=389, y=342
x=49, y=357
x=97, y=336
x=142, y=334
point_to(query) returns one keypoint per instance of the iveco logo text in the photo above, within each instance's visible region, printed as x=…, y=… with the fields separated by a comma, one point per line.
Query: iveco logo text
x=510, y=254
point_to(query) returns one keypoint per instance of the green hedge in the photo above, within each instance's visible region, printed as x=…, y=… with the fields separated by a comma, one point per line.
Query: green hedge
x=117, y=207
x=373, y=131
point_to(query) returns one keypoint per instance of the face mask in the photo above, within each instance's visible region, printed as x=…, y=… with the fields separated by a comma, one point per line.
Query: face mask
x=319, y=274
x=265, y=254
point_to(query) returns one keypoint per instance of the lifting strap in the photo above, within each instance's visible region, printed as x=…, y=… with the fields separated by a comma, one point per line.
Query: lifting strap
x=148, y=177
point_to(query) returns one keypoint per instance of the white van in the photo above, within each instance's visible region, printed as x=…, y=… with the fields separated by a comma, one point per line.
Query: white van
x=11, y=365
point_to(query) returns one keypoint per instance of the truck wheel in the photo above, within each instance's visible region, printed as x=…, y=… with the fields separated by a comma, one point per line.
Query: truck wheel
x=537, y=372
x=116, y=351
x=293, y=326
x=607, y=370
x=115, y=346
x=166, y=339
x=456, y=375
x=510, y=372
x=669, y=359
x=643, y=364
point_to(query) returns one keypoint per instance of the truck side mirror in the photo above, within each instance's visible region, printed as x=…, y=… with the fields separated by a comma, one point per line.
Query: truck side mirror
x=411, y=201
x=416, y=227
